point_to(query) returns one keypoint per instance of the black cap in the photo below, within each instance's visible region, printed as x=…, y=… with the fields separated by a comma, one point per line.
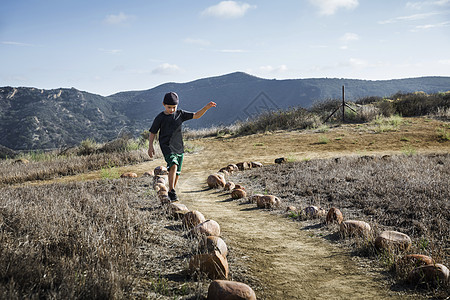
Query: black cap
x=171, y=98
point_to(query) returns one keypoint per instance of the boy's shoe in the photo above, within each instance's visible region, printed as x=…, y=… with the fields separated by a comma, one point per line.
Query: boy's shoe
x=173, y=195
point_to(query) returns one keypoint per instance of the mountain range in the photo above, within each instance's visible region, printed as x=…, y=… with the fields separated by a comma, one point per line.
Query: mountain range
x=33, y=118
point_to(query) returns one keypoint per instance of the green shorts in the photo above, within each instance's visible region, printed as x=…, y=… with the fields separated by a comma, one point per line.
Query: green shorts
x=174, y=159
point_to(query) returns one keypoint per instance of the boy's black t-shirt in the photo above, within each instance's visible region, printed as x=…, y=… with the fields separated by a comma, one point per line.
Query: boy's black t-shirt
x=169, y=126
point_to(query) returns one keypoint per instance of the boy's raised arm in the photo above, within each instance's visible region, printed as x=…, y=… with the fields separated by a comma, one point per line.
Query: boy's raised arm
x=202, y=111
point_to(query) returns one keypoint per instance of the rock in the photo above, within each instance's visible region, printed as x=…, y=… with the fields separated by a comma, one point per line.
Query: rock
x=159, y=179
x=214, y=265
x=239, y=186
x=334, y=215
x=160, y=170
x=291, y=209
x=163, y=197
x=230, y=290
x=215, y=181
x=419, y=259
x=280, y=160
x=161, y=187
x=148, y=174
x=129, y=175
x=192, y=219
x=256, y=164
x=243, y=166
x=314, y=212
x=434, y=274
x=268, y=201
x=229, y=186
x=177, y=210
x=232, y=168
x=208, y=227
x=392, y=240
x=224, y=173
x=238, y=193
x=209, y=244
x=254, y=198
x=353, y=227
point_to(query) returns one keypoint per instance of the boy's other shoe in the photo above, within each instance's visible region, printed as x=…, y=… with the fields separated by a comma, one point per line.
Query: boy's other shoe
x=173, y=195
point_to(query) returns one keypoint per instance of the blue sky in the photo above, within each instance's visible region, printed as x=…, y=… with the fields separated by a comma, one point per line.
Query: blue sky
x=109, y=46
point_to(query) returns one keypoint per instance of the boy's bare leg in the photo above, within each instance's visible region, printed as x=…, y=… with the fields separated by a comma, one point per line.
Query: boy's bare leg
x=173, y=177
x=176, y=180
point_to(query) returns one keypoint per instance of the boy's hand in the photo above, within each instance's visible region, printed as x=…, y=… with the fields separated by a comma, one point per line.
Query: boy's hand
x=151, y=152
x=211, y=104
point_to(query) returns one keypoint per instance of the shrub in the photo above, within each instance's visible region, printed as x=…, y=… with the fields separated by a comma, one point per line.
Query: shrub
x=87, y=146
x=294, y=118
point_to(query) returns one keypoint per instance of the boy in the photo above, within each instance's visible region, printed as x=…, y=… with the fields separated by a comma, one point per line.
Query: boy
x=169, y=123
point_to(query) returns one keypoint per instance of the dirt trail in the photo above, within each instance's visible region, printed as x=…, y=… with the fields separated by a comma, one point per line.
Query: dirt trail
x=290, y=263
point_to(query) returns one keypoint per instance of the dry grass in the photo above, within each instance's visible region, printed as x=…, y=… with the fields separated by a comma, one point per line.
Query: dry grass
x=403, y=193
x=103, y=239
x=91, y=240
x=11, y=172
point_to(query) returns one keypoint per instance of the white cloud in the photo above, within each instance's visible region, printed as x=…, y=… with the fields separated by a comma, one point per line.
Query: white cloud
x=121, y=18
x=17, y=44
x=421, y=4
x=357, y=63
x=350, y=37
x=414, y=17
x=233, y=51
x=444, y=61
x=199, y=42
x=228, y=10
x=110, y=51
x=272, y=69
x=329, y=7
x=430, y=26
x=167, y=69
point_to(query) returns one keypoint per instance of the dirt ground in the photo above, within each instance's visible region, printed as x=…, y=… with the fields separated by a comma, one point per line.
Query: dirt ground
x=290, y=263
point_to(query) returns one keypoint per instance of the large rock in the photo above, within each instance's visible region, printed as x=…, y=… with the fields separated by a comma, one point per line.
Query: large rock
x=229, y=186
x=256, y=164
x=355, y=228
x=215, y=181
x=268, y=201
x=224, y=173
x=239, y=186
x=209, y=244
x=177, y=210
x=148, y=174
x=254, y=198
x=230, y=290
x=419, y=259
x=238, y=193
x=334, y=215
x=160, y=170
x=314, y=211
x=214, y=265
x=243, y=166
x=129, y=175
x=161, y=187
x=434, y=274
x=208, y=227
x=232, y=168
x=392, y=240
x=280, y=160
x=192, y=219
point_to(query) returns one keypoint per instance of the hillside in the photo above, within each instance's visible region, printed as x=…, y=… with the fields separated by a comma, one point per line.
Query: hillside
x=32, y=118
